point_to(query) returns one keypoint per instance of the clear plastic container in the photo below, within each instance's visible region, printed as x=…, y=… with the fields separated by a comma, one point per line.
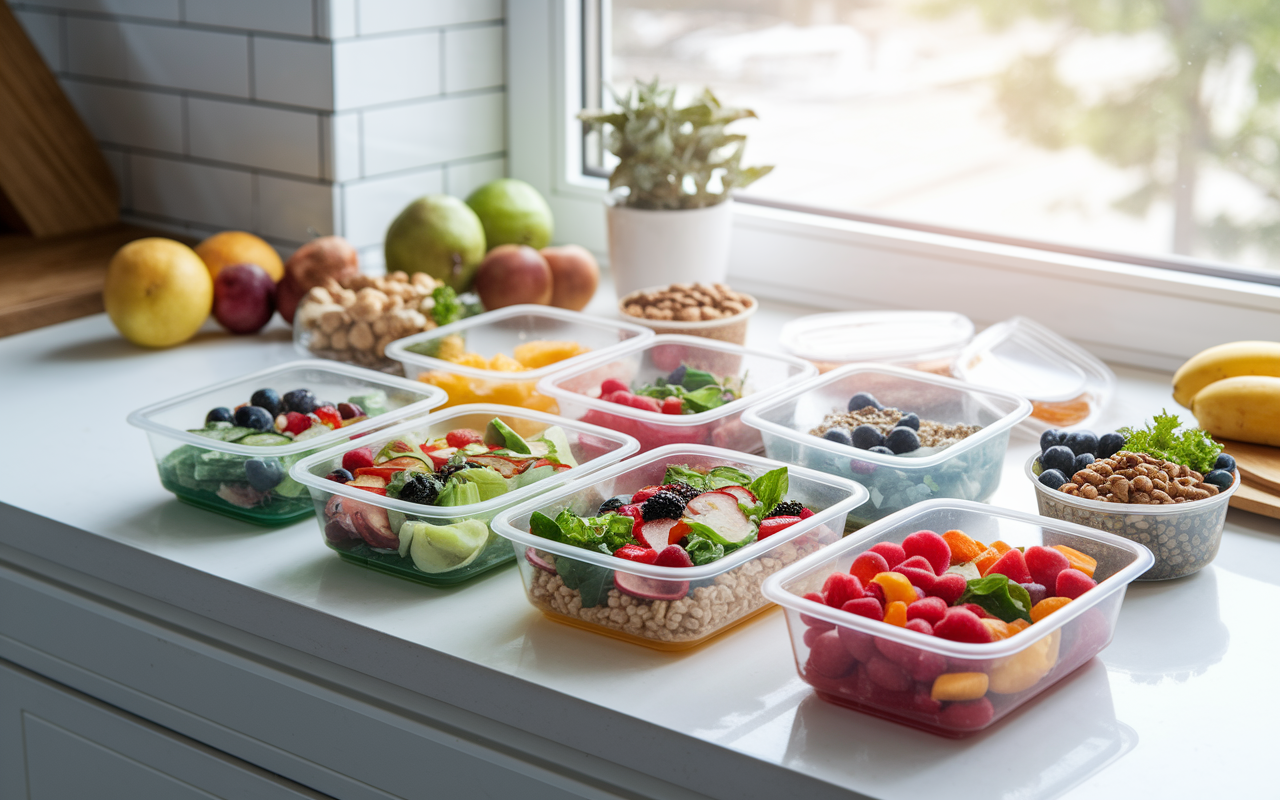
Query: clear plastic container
x=923, y=340
x=1184, y=537
x=967, y=470
x=211, y=474
x=717, y=596
x=374, y=517
x=1067, y=386
x=848, y=670
x=500, y=332
x=577, y=390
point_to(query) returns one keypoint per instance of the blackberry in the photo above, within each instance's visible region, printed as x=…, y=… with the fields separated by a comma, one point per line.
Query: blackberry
x=663, y=505
x=612, y=504
x=683, y=490
x=421, y=487
x=787, y=508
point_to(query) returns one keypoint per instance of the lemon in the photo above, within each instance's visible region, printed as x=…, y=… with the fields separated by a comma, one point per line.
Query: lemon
x=157, y=292
x=512, y=212
x=441, y=548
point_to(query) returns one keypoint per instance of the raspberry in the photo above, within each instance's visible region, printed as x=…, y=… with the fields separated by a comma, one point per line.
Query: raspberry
x=892, y=552
x=353, y=460
x=930, y=545
x=962, y=625
x=611, y=385
x=788, y=508
x=662, y=505
x=948, y=587
x=1044, y=564
x=829, y=658
x=1073, y=583
x=840, y=588
x=672, y=405
x=868, y=565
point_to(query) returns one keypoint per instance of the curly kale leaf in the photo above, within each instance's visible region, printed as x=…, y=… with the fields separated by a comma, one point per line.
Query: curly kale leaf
x=1161, y=438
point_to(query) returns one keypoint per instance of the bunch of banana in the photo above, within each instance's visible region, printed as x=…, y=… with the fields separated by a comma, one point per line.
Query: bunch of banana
x=1234, y=391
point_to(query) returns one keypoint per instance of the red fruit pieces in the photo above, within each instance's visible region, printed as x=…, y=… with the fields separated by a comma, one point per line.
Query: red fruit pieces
x=873, y=591
x=868, y=565
x=918, y=562
x=329, y=416
x=867, y=607
x=922, y=579
x=463, y=436
x=887, y=675
x=635, y=401
x=772, y=525
x=948, y=587
x=672, y=405
x=861, y=646
x=805, y=513
x=1044, y=564
x=359, y=458
x=840, y=588
x=828, y=656
x=1037, y=591
x=892, y=552
x=611, y=385
x=1012, y=565
x=974, y=609
x=634, y=552
x=967, y=715
x=673, y=556
x=962, y=625
x=930, y=609
x=931, y=546
x=1073, y=583
x=296, y=423
x=919, y=625
x=812, y=622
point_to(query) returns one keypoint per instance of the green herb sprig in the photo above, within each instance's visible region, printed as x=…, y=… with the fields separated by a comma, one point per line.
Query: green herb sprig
x=1161, y=438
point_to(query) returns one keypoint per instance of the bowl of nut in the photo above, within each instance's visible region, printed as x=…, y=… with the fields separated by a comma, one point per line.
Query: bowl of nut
x=1161, y=488
x=713, y=311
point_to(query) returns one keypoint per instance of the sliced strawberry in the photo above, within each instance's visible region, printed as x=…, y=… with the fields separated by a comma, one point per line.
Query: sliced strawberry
x=645, y=494
x=611, y=385
x=542, y=462
x=463, y=436
x=296, y=423
x=381, y=472
x=634, y=552
x=440, y=456
x=353, y=460
x=805, y=513
x=772, y=525
x=743, y=494
x=672, y=405
x=719, y=511
x=328, y=416
x=378, y=490
x=632, y=510
x=673, y=556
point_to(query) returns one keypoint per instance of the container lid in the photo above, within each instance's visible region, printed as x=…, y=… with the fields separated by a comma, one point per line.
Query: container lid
x=1026, y=358
x=876, y=335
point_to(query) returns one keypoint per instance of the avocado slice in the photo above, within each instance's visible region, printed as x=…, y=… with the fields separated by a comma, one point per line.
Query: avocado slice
x=500, y=433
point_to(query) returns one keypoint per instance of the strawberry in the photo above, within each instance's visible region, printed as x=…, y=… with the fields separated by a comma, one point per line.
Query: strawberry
x=611, y=385
x=632, y=510
x=634, y=401
x=673, y=556
x=353, y=460
x=329, y=417
x=462, y=437
x=672, y=405
x=772, y=525
x=645, y=493
x=296, y=423
x=634, y=552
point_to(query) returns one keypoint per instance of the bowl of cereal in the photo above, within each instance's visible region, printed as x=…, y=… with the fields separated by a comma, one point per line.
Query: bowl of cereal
x=713, y=311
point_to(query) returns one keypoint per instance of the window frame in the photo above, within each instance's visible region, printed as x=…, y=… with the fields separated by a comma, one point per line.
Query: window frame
x=1131, y=313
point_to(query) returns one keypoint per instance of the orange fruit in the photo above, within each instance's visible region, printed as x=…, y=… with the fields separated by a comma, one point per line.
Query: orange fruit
x=237, y=247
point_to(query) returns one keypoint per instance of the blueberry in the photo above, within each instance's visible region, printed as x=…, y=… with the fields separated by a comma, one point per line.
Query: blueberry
x=865, y=437
x=263, y=473
x=1224, y=462
x=902, y=440
x=1083, y=461
x=1082, y=442
x=614, y=503
x=1052, y=438
x=1220, y=478
x=254, y=417
x=838, y=435
x=268, y=399
x=863, y=400
x=1052, y=478
x=911, y=421
x=219, y=414
x=300, y=400
x=340, y=475
x=882, y=450
x=1059, y=457
x=1109, y=444
x=676, y=378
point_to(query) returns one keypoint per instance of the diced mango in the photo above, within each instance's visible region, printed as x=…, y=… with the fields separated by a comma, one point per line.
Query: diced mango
x=987, y=559
x=534, y=355
x=955, y=686
x=1024, y=669
x=963, y=549
x=896, y=588
x=998, y=627
x=1001, y=546
x=1018, y=626
x=1047, y=606
x=1080, y=561
x=895, y=613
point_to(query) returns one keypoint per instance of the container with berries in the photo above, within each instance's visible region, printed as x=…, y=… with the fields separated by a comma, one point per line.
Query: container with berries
x=228, y=447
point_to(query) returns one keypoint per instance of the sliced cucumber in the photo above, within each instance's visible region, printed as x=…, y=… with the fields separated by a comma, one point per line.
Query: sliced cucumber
x=223, y=432
x=265, y=440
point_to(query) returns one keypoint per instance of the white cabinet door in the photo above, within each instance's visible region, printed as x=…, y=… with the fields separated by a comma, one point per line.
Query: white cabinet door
x=58, y=744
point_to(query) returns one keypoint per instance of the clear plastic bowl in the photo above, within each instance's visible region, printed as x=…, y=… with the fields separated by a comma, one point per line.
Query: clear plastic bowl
x=577, y=390
x=1184, y=537
x=501, y=331
x=593, y=448
x=1018, y=668
x=923, y=340
x=211, y=474
x=718, y=595
x=967, y=470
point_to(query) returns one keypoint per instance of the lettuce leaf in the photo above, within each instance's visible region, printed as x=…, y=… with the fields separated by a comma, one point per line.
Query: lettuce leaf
x=603, y=534
x=999, y=597
x=770, y=488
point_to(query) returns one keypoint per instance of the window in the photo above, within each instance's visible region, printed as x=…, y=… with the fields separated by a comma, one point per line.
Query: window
x=909, y=176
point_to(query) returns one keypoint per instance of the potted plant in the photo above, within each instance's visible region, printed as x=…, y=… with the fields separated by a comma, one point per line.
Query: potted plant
x=670, y=205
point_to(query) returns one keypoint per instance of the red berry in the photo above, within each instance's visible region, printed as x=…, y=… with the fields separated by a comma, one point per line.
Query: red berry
x=969, y=715
x=672, y=405
x=805, y=513
x=353, y=460
x=932, y=547
x=673, y=556
x=462, y=437
x=962, y=625
x=930, y=609
x=1073, y=583
x=868, y=565
x=919, y=625
x=296, y=423
x=350, y=410
x=922, y=579
x=867, y=607
x=1044, y=564
x=772, y=525
x=948, y=587
x=814, y=622
x=919, y=562
x=611, y=385
x=634, y=552
x=892, y=552
x=840, y=588
x=1013, y=566
x=874, y=591
x=974, y=609
x=888, y=675
x=634, y=401
x=329, y=416
x=829, y=658
x=861, y=646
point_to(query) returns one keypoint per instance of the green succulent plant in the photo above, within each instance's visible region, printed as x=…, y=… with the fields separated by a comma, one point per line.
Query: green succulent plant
x=673, y=158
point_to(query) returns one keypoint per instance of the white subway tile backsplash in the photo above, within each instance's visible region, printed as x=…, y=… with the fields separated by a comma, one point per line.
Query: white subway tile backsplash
x=387, y=16
x=254, y=136
x=369, y=206
x=474, y=58
x=177, y=58
x=292, y=72
x=433, y=132
x=337, y=19
x=462, y=179
x=345, y=130
x=221, y=198
x=294, y=210
x=45, y=32
x=271, y=16
x=390, y=69
x=155, y=9
x=128, y=117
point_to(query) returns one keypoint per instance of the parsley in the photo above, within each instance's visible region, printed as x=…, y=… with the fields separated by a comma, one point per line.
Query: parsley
x=447, y=309
x=1191, y=447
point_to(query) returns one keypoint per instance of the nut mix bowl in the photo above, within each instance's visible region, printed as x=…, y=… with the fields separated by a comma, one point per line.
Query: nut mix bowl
x=847, y=669
x=1184, y=537
x=702, y=601
x=710, y=311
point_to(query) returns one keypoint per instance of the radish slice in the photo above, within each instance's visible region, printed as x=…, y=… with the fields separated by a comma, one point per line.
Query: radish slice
x=743, y=494
x=537, y=559
x=649, y=588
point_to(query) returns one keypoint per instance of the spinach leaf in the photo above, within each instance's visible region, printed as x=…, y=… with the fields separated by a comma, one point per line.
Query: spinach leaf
x=678, y=474
x=770, y=488
x=1000, y=597
x=702, y=550
x=542, y=525
x=696, y=379
x=705, y=399
x=720, y=477
x=591, y=582
x=699, y=530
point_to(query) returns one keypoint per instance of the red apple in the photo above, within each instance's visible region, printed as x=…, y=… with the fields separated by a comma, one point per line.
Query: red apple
x=574, y=275
x=512, y=274
x=244, y=298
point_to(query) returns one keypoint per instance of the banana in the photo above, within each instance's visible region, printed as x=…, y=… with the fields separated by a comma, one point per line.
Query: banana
x=1224, y=361
x=1245, y=408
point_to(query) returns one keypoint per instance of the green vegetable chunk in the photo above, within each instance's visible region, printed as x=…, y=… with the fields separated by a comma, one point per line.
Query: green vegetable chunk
x=999, y=597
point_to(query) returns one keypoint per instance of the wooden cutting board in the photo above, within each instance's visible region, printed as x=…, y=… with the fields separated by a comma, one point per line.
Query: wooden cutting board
x=1255, y=500
x=1258, y=463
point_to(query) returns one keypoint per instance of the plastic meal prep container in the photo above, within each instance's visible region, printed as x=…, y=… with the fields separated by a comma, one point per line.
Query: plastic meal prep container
x=577, y=390
x=967, y=470
x=578, y=586
x=846, y=669
x=1184, y=537
x=501, y=331
x=374, y=515
x=923, y=340
x=210, y=474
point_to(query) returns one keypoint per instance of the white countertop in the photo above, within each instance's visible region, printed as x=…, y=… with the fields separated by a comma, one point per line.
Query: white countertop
x=1183, y=701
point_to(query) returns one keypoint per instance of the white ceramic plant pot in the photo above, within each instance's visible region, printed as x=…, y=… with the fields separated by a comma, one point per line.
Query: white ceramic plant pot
x=655, y=248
